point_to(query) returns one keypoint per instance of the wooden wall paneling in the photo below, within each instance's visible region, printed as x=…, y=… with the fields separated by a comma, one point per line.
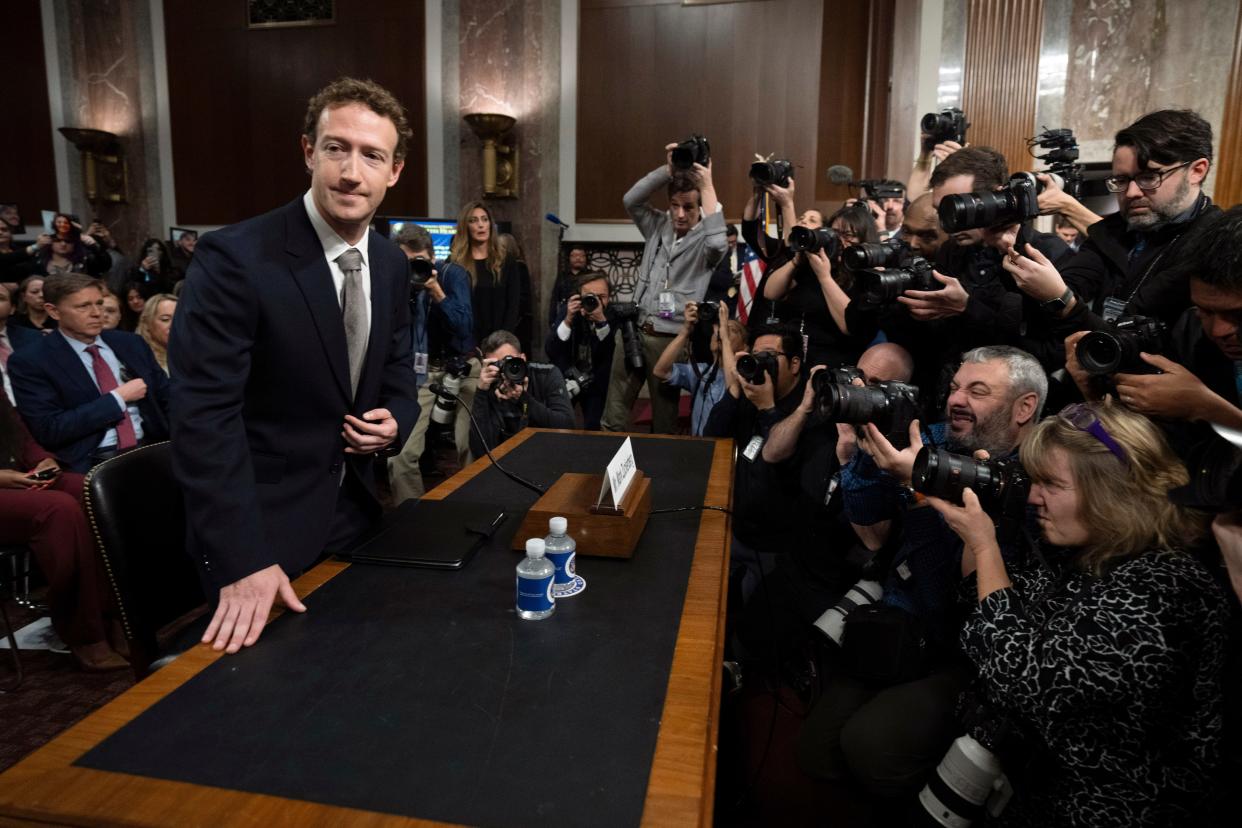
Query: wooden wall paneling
x=843, y=75
x=27, y=166
x=879, y=86
x=237, y=98
x=1228, y=189
x=1001, y=75
x=743, y=74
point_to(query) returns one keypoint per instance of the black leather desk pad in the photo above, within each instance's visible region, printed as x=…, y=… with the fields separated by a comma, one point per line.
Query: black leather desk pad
x=420, y=693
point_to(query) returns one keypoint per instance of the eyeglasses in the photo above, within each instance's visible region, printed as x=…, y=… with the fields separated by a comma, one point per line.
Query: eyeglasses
x=1081, y=417
x=770, y=353
x=1147, y=180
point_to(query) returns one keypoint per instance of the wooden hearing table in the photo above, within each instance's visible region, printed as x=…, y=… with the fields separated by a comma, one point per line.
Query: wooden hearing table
x=48, y=788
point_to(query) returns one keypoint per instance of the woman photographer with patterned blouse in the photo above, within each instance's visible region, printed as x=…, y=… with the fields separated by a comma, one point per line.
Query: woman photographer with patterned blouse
x=1107, y=653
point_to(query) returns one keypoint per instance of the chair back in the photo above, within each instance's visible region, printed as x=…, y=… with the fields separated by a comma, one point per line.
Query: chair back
x=136, y=513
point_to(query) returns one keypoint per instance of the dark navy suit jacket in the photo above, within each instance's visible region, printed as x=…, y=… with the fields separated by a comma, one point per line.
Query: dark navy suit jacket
x=62, y=406
x=260, y=390
x=20, y=336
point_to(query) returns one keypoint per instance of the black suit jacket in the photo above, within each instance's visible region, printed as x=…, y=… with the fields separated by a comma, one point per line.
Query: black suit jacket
x=260, y=390
x=62, y=406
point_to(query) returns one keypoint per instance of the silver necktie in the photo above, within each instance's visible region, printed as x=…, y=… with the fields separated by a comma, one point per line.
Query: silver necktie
x=354, y=312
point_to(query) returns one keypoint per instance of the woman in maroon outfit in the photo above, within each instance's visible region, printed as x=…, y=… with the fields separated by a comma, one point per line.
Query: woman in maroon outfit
x=47, y=515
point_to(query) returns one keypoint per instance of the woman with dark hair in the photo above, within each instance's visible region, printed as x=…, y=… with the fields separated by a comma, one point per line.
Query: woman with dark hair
x=30, y=312
x=155, y=272
x=811, y=289
x=73, y=253
x=513, y=252
x=132, y=304
x=495, y=287
x=40, y=507
x=1105, y=656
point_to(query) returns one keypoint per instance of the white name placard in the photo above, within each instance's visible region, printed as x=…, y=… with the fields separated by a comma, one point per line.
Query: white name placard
x=620, y=474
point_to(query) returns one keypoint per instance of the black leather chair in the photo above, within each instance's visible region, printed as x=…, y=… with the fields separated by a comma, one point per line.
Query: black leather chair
x=136, y=513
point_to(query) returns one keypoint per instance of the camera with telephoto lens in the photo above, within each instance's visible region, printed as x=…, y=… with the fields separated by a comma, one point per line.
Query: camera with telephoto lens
x=807, y=240
x=626, y=314
x=590, y=302
x=512, y=370
x=771, y=172
x=752, y=367
x=876, y=189
x=949, y=124
x=1001, y=485
x=889, y=406
x=693, y=150
x=882, y=287
x=576, y=381
x=1116, y=351
x=456, y=369
x=889, y=253
x=1061, y=158
x=420, y=272
x=1014, y=203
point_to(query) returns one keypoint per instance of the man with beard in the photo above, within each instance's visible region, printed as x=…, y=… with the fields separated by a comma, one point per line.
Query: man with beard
x=1127, y=264
x=887, y=734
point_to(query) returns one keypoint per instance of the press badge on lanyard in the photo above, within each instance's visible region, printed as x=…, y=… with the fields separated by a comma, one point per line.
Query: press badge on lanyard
x=666, y=306
x=420, y=363
x=1114, y=309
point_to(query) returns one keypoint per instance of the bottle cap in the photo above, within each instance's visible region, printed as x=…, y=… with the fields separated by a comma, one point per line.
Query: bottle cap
x=535, y=548
x=558, y=525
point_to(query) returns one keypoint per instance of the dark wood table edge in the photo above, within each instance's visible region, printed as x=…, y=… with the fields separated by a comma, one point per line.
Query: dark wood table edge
x=680, y=788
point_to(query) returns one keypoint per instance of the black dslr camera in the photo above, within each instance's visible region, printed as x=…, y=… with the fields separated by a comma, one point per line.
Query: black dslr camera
x=949, y=124
x=576, y=381
x=879, y=254
x=752, y=367
x=771, y=172
x=1001, y=485
x=879, y=188
x=590, y=302
x=882, y=287
x=1061, y=158
x=1016, y=202
x=693, y=150
x=626, y=314
x=513, y=370
x=806, y=240
x=701, y=337
x=890, y=406
x=1117, y=351
x=420, y=272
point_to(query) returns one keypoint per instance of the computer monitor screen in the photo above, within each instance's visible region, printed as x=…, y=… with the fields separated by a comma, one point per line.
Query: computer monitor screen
x=441, y=231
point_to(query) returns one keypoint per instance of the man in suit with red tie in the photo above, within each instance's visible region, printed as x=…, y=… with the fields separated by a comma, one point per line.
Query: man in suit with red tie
x=87, y=394
x=291, y=368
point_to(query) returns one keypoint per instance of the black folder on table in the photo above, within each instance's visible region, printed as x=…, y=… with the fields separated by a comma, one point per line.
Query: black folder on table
x=437, y=534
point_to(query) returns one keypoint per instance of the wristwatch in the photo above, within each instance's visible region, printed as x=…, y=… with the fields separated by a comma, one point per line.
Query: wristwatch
x=1059, y=304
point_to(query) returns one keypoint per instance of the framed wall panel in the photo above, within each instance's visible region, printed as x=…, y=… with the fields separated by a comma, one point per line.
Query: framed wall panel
x=27, y=165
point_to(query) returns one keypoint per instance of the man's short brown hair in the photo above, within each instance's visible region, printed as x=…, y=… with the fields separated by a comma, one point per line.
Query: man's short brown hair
x=986, y=164
x=59, y=285
x=683, y=182
x=370, y=94
x=587, y=276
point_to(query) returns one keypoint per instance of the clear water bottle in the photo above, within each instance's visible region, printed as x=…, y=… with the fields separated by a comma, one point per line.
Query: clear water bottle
x=562, y=551
x=534, y=583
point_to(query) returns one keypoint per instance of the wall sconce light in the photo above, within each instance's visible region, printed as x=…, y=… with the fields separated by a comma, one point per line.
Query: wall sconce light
x=104, y=171
x=500, y=158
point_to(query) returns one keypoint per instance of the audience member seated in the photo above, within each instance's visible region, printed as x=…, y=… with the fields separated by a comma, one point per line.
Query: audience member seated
x=73, y=253
x=155, y=323
x=155, y=272
x=40, y=506
x=30, y=310
x=182, y=253
x=12, y=337
x=131, y=310
x=1104, y=657
x=15, y=263
x=888, y=735
x=119, y=267
x=581, y=343
x=514, y=394
x=703, y=375
x=111, y=311
x=87, y=394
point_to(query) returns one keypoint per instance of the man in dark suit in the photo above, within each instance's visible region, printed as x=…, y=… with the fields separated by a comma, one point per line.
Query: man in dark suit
x=86, y=393
x=291, y=368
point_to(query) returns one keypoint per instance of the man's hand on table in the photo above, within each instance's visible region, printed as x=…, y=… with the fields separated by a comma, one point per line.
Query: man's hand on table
x=244, y=606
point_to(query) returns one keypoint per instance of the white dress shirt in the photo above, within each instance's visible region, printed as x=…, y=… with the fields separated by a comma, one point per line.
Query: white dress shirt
x=334, y=246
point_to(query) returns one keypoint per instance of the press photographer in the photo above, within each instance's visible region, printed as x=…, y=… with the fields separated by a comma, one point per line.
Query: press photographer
x=514, y=394
x=581, y=343
x=1128, y=264
x=703, y=375
x=887, y=717
x=1106, y=652
x=683, y=247
x=940, y=135
x=442, y=323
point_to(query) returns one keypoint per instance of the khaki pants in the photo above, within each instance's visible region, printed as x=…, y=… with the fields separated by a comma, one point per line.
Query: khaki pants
x=404, y=476
x=624, y=384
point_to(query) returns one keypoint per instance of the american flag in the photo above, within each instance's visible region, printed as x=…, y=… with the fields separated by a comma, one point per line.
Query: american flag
x=752, y=272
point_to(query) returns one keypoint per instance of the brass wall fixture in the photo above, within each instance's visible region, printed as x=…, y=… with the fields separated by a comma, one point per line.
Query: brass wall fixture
x=104, y=171
x=500, y=157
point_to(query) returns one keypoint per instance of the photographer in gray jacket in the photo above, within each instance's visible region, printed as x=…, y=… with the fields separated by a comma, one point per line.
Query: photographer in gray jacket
x=683, y=246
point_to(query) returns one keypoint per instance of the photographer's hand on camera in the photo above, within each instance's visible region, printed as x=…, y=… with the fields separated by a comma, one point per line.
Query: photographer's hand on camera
x=488, y=375
x=936, y=304
x=899, y=463
x=761, y=395
x=1053, y=200
x=511, y=391
x=980, y=549
x=920, y=175
x=782, y=440
x=1175, y=394
x=1074, y=368
x=433, y=288
x=1033, y=273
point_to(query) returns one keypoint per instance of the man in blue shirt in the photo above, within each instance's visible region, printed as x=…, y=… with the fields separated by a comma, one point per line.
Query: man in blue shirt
x=705, y=381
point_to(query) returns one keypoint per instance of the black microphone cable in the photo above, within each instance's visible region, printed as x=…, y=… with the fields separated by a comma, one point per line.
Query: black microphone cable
x=440, y=391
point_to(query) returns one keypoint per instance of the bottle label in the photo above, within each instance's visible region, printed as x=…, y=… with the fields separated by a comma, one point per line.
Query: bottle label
x=534, y=594
x=563, y=560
